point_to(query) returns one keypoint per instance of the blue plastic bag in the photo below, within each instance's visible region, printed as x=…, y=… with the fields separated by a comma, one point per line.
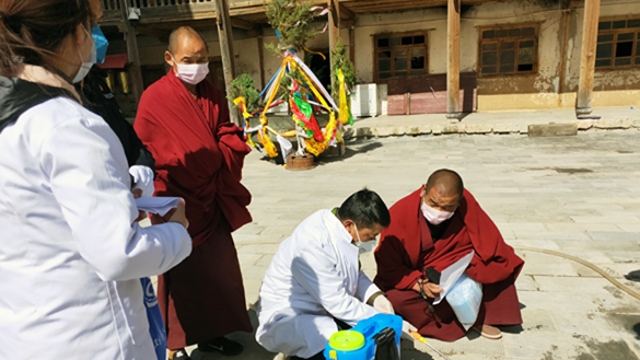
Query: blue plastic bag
x=156, y=325
x=465, y=298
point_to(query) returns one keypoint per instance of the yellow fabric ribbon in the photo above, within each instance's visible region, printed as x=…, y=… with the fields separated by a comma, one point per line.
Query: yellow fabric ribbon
x=344, y=107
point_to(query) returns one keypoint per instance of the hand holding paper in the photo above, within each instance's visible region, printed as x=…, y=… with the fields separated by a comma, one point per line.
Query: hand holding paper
x=163, y=206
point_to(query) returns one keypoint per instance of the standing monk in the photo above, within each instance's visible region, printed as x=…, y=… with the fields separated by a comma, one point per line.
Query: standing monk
x=184, y=121
x=432, y=228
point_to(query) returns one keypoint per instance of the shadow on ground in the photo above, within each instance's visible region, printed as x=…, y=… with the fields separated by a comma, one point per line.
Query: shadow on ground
x=252, y=351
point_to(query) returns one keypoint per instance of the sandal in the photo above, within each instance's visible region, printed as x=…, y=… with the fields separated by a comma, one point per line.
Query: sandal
x=489, y=332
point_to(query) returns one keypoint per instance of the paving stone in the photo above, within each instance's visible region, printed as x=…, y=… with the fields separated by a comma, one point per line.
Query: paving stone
x=612, y=124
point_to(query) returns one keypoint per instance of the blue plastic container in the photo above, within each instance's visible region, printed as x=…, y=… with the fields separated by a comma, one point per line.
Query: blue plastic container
x=465, y=298
x=368, y=328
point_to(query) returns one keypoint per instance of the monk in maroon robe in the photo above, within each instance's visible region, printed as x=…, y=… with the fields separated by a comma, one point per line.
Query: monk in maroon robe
x=184, y=121
x=431, y=229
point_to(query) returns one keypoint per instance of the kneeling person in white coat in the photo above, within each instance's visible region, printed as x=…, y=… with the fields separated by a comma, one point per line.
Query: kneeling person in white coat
x=314, y=282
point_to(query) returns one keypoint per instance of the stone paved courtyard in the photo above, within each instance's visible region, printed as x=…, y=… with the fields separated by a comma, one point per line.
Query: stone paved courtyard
x=577, y=195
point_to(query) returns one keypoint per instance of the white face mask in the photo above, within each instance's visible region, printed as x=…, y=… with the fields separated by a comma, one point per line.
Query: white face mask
x=363, y=247
x=192, y=73
x=434, y=216
x=86, y=66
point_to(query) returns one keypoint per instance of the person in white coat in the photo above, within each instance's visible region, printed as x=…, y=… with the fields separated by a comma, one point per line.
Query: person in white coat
x=314, y=286
x=71, y=252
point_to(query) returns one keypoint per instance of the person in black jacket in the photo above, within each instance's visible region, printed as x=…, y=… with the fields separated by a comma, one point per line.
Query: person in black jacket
x=100, y=100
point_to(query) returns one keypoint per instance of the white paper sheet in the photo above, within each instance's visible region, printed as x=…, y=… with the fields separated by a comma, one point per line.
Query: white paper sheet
x=157, y=205
x=450, y=275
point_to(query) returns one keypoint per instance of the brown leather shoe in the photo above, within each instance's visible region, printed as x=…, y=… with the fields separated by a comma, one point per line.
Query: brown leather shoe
x=490, y=332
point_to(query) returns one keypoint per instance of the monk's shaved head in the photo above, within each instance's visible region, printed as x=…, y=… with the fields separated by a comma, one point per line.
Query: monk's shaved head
x=182, y=33
x=446, y=182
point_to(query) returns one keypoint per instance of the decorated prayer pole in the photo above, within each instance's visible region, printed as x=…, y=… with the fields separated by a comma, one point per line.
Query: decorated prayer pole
x=297, y=86
x=225, y=36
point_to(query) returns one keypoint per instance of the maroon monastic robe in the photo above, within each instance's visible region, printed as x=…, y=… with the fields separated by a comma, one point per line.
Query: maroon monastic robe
x=407, y=247
x=199, y=155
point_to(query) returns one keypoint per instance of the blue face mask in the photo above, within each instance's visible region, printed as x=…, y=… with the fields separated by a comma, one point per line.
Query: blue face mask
x=100, y=42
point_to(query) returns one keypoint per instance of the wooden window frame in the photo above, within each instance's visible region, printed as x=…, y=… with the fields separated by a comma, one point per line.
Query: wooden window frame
x=517, y=39
x=377, y=50
x=635, y=42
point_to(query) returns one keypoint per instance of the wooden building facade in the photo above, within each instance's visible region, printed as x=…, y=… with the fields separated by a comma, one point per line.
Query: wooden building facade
x=424, y=56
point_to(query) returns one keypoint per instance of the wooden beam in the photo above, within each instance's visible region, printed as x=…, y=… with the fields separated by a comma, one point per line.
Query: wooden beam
x=588, y=56
x=453, y=59
x=225, y=36
x=242, y=24
x=135, y=72
x=346, y=14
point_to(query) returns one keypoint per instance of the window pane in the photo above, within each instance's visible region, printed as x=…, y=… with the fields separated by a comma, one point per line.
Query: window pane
x=418, y=39
x=525, y=67
x=400, y=64
x=401, y=53
x=383, y=42
x=605, y=38
x=624, y=49
x=384, y=75
x=489, y=58
x=506, y=69
x=526, y=44
x=394, y=41
x=407, y=40
x=620, y=24
x=384, y=64
x=638, y=60
x=418, y=51
x=638, y=49
x=525, y=56
x=502, y=33
x=384, y=55
x=601, y=63
x=627, y=36
x=633, y=23
x=507, y=57
x=604, y=25
x=508, y=45
x=528, y=32
x=515, y=32
x=400, y=73
x=489, y=70
x=604, y=51
x=622, y=62
x=417, y=58
x=490, y=46
x=488, y=34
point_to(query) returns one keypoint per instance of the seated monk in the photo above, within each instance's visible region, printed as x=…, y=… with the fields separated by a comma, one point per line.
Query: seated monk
x=430, y=229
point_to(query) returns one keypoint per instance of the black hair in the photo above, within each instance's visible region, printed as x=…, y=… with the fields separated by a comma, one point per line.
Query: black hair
x=31, y=30
x=365, y=208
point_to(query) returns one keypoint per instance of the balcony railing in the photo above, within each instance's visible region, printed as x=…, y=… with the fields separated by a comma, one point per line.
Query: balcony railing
x=152, y=11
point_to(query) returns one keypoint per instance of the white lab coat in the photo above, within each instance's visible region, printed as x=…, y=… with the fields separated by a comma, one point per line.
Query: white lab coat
x=71, y=255
x=313, y=279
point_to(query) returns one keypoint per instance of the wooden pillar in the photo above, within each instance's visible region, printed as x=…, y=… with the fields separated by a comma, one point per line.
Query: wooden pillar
x=352, y=44
x=453, y=59
x=261, y=61
x=225, y=37
x=588, y=56
x=565, y=59
x=334, y=32
x=135, y=72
